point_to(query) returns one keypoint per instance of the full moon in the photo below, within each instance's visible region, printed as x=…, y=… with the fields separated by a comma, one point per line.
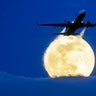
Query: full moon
x=69, y=56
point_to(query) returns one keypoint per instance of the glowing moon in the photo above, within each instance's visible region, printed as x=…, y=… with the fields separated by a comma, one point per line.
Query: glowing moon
x=69, y=56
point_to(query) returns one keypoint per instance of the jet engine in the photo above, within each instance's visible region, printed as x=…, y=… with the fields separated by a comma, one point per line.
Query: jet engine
x=68, y=22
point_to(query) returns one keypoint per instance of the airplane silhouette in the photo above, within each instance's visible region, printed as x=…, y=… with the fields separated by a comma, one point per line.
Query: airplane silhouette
x=71, y=27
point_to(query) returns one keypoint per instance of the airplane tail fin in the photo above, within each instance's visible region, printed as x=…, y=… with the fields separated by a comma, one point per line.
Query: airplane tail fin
x=83, y=31
x=62, y=32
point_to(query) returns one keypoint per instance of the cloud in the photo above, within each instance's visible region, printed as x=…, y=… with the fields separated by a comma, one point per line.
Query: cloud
x=11, y=85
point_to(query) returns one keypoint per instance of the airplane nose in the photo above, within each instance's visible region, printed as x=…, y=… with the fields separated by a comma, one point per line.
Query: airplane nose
x=83, y=12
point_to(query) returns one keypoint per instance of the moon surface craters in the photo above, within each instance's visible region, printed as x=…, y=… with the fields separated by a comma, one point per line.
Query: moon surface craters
x=69, y=56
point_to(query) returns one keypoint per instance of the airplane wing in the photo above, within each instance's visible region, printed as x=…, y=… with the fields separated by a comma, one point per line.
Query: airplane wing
x=88, y=25
x=55, y=25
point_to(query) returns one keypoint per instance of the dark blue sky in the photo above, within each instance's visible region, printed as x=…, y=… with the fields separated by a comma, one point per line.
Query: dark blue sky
x=22, y=42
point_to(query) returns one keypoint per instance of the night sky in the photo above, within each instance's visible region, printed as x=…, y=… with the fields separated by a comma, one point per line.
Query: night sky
x=23, y=43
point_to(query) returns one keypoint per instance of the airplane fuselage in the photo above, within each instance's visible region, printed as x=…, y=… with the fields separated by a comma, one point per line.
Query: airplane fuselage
x=75, y=24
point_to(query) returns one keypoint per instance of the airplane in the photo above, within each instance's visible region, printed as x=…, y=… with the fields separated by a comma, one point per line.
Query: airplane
x=71, y=27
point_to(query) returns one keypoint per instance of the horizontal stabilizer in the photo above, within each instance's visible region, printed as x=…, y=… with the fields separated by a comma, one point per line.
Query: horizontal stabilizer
x=64, y=34
x=58, y=33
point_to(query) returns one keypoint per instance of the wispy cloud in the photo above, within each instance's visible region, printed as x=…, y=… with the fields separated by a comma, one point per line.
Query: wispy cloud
x=11, y=85
x=6, y=76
